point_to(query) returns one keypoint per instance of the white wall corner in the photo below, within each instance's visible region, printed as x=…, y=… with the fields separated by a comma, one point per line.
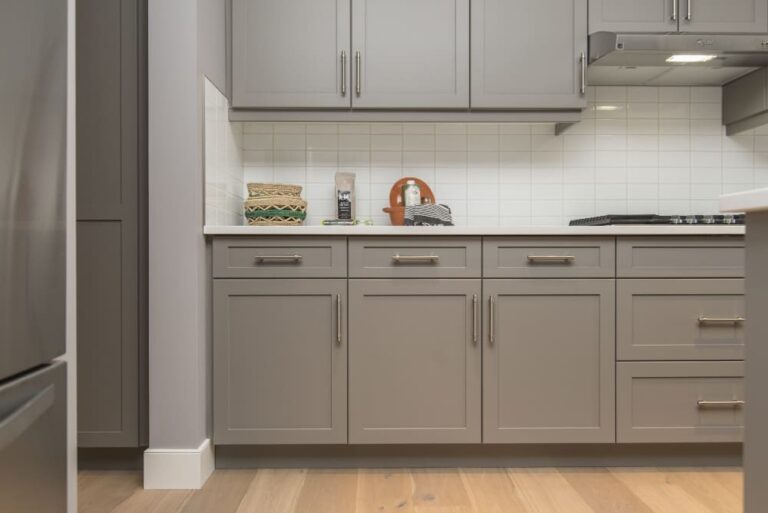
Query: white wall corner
x=178, y=469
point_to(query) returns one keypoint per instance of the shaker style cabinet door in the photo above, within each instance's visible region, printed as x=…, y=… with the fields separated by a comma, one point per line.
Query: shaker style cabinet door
x=290, y=53
x=634, y=15
x=528, y=54
x=280, y=361
x=724, y=16
x=414, y=361
x=410, y=54
x=548, y=361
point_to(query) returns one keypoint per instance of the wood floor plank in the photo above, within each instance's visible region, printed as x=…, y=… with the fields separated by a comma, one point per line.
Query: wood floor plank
x=222, y=493
x=439, y=491
x=707, y=488
x=731, y=478
x=603, y=492
x=385, y=491
x=273, y=491
x=652, y=487
x=154, y=501
x=102, y=492
x=492, y=491
x=328, y=491
x=547, y=491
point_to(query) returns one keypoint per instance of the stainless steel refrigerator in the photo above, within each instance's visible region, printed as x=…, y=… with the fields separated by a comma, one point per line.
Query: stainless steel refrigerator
x=33, y=103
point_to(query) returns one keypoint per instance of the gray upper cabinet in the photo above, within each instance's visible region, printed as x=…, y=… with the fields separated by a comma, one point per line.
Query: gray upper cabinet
x=410, y=54
x=528, y=54
x=280, y=361
x=291, y=53
x=633, y=15
x=724, y=16
x=414, y=361
x=548, y=361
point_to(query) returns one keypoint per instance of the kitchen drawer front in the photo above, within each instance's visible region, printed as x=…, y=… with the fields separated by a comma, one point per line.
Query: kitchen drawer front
x=280, y=257
x=680, y=402
x=681, y=257
x=549, y=257
x=428, y=257
x=679, y=319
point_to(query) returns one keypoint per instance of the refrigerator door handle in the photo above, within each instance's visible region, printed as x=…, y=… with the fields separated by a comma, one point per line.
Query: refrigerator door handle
x=17, y=422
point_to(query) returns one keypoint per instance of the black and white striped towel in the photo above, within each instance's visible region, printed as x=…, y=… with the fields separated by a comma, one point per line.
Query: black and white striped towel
x=428, y=215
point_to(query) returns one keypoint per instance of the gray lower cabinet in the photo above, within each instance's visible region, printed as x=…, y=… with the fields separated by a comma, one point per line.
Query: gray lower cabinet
x=280, y=361
x=548, y=362
x=291, y=53
x=414, y=361
x=528, y=54
x=680, y=402
x=410, y=54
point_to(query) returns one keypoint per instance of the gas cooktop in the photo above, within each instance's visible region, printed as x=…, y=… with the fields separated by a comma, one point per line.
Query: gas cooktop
x=606, y=220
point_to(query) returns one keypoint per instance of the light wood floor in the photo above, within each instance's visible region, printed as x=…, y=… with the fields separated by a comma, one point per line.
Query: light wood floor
x=597, y=490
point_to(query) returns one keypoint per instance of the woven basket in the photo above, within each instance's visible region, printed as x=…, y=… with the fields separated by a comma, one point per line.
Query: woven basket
x=267, y=190
x=275, y=210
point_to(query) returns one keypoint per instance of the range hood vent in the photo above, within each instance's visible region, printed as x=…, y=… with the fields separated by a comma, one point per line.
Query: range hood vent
x=644, y=59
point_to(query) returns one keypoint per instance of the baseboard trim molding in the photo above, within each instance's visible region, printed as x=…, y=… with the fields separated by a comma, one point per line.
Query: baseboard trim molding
x=478, y=456
x=178, y=469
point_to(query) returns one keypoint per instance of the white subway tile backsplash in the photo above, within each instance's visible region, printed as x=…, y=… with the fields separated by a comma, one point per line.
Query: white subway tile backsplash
x=637, y=149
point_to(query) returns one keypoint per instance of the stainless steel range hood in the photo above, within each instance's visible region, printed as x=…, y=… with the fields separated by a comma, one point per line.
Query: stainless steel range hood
x=643, y=59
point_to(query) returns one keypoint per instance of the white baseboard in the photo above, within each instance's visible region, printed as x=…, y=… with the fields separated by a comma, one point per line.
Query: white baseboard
x=178, y=469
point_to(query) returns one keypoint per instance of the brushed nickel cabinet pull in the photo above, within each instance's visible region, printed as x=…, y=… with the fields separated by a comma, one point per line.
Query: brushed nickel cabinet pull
x=674, y=10
x=343, y=72
x=491, y=321
x=358, y=79
x=583, y=81
x=474, y=319
x=565, y=259
x=689, y=12
x=263, y=259
x=432, y=259
x=338, y=319
x=721, y=320
x=735, y=403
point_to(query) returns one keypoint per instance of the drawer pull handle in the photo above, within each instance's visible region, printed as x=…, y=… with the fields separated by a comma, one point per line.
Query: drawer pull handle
x=721, y=320
x=295, y=259
x=720, y=404
x=474, y=319
x=564, y=259
x=338, y=319
x=491, y=320
x=430, y=259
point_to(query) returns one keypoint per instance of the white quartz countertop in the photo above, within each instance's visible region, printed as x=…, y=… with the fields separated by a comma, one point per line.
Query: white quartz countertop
x=476, y=230
x=748, y=201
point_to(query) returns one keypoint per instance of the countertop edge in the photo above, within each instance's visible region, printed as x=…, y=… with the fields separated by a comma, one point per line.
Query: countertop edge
x=410, y=231
x=748, y=201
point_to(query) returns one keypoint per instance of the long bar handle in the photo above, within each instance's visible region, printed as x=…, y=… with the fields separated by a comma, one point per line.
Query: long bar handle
x=735, y=403
x=721, y=320
x=358, y=78
x=566, y=259
x=583, y=81
x=433, y=259
x=689, y=11
x=343, y=72
x=262, y=259
x=674, y=10
x=338, y=319
x=491, y=320
x=474, y=319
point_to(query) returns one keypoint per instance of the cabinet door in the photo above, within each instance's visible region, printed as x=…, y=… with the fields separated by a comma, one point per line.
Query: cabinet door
x=412, y=53
x=290, y=53
x=633, y=15
x=280, y=361
x=526, y=54
x=414, y=352
x=720, y=16
x=548, y=363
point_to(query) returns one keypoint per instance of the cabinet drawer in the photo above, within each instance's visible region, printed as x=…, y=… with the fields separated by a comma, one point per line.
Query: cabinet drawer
x=681, y=257
x=374, y=257
x=680, y=402
x=278, y=257
x=670, y=319
x=547, y=257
